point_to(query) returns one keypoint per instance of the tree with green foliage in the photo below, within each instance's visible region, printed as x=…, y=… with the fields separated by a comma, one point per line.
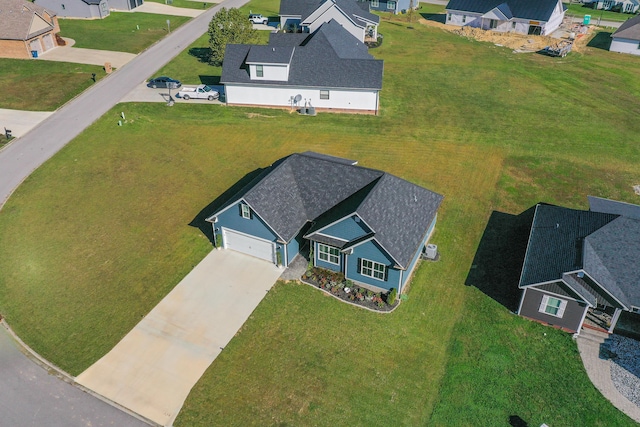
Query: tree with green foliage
x=228, y=26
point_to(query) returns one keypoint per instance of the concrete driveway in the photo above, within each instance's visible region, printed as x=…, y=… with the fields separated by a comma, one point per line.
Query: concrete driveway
x=21, y=122
x=153, y=368
x=69, y=53
x=142, y=93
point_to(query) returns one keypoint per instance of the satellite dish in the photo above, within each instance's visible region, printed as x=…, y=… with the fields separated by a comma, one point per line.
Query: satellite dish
x=298, y=98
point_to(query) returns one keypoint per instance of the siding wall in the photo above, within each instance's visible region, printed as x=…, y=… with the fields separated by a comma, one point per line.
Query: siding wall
x=372, y=251
x=625, y=46
x=76, y=8
x=14, y=49
x=572, y=314
x=416, y=257
x=270, y=72
x=277, y=96
x=255, y=226
x=323, y=264
x=347, y=229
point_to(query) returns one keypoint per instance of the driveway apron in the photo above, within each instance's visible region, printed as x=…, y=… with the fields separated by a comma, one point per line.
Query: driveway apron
x=153, y=368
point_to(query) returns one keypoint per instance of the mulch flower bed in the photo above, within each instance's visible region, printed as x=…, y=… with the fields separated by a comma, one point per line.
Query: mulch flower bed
x=335, y=284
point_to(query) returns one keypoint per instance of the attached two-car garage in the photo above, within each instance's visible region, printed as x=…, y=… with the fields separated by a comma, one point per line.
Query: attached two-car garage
x=249, y=245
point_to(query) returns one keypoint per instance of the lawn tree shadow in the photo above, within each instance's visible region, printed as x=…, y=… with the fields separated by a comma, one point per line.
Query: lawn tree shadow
x=201, y=53
x=516, y=421
x=436, y=17
x=601, y=40
x=200, y=220
x=498, y=261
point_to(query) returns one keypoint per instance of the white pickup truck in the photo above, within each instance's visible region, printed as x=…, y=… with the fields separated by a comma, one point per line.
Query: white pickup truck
x=198, y=92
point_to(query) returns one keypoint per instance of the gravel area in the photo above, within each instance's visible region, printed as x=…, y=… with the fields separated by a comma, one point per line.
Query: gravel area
x=625, y=366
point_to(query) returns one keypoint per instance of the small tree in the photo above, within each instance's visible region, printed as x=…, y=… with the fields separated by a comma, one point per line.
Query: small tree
x=228, y=26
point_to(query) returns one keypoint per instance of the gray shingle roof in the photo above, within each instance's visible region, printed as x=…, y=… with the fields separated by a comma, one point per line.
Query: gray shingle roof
x=16, y=17
x=598, y=204
x=302, y=8
x=537, y=10
x=355, y=11
x=630, y=29
x=306, y=187
x=351, y=8
x=603, y=244
x=270, y=54
x=556, y=241
x=329, y=58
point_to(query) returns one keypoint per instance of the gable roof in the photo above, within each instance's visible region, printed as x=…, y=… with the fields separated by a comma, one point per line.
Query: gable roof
x=17, y=16
x=598, y=204
x=329, y=58
x=307, y=187
x=356, y=11
x=537, y=10
x=605, y=245
x=630, y=29
x=270, y=54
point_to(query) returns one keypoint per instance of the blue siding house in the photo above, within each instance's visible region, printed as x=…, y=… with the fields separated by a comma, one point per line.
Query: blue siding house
x=365, y=223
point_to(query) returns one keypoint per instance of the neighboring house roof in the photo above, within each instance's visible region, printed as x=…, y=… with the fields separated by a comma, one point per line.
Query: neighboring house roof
x=630, y=29
x=17, y=20
x=357, y=11
x=605, y=245
x=329, y=58
x=310, y=187
x=537, y=10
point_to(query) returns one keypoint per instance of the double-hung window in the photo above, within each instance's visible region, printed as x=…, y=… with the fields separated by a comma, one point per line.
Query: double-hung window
x=375, y=3
x=552, y=306
x=391, y=5
x=324, y=94
x=328, y=254
x=372, y=269
x=246, y=211
x=259, y=71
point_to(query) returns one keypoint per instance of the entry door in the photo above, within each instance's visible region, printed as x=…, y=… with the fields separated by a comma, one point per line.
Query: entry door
x=249, y=245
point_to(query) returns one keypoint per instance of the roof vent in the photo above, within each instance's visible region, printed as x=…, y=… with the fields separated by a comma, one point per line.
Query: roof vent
x=415, y=198
x=273, y=48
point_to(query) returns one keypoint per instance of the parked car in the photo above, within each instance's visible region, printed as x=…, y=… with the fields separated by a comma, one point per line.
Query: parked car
x=198, y=92
x=256, y=18
x=164, y=82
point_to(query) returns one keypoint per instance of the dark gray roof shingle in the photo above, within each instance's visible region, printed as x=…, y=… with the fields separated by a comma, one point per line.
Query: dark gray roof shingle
x=302, y=8
x=352, y=8
x=329, y=58
x=630, y=29
x=598, y=204
x=270, y=54
x=307, y=187
x=538, y=10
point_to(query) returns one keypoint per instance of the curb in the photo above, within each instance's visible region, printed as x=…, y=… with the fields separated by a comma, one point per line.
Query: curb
x=65, y=376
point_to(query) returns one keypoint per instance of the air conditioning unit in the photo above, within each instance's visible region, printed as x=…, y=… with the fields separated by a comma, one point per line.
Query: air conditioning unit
x=431, y=251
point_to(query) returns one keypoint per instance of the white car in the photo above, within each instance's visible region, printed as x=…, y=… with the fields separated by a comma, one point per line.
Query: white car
x=258, y=19
x=198, y=92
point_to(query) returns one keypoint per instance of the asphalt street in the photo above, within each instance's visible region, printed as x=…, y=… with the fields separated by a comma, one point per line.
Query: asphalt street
x=29, y=396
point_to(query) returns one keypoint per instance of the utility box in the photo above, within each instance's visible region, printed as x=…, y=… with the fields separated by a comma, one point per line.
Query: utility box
x=431, y=251
x=107, y=67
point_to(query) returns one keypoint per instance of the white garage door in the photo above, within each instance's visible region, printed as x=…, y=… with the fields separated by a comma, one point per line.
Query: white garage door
x=249, y=245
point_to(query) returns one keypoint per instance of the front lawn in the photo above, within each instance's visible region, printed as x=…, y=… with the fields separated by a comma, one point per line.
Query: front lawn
x=120, y=31
x=579, y=10
x=34, y=85
x=188, y=4
x=99, y=234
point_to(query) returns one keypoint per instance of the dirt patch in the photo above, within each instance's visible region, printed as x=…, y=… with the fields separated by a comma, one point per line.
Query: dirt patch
x=254, y=115
x=514, y=41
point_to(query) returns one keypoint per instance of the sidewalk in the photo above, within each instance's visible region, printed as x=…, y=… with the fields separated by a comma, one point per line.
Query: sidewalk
x=599, y=371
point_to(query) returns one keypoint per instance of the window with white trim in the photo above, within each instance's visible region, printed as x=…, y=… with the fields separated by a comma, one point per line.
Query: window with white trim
x=259, y=71
x=464, y=18
x=391, y=5
x=372, y=269
x=328, y=254
x=375, y=3
x=324, y=94
x=246, y=211
x=493, y=23
x=552, y=306
x=513, y=25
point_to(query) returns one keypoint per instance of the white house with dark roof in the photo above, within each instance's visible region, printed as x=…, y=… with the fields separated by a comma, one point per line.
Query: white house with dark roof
x=582, y=265
x=308, y=15
x=328, y=69
x=88, y=9
x=626, y=39
x=540, y=17
x=365, y=223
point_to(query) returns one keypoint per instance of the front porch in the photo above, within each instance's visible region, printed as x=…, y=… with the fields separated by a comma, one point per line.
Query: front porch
x=602, y=319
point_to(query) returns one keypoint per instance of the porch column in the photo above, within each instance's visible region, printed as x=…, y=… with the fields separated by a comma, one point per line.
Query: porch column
x=614, y=319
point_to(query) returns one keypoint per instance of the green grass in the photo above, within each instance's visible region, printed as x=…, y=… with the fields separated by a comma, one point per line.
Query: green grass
x=580, y=10
x=120, y=31
x=99, y=234
x=31, y=85
x=188, y=4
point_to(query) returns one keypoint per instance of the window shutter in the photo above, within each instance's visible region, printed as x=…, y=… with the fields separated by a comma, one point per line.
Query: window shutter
x=359, y=265
x=240, y=209
x=386, y=274
x=250, y=212
x=543, y=304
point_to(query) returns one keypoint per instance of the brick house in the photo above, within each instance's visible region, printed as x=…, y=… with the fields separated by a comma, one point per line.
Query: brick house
x=26, y=27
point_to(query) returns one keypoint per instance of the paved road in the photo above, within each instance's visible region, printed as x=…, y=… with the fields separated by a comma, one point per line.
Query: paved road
x=22, y=157
x=29, y=396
